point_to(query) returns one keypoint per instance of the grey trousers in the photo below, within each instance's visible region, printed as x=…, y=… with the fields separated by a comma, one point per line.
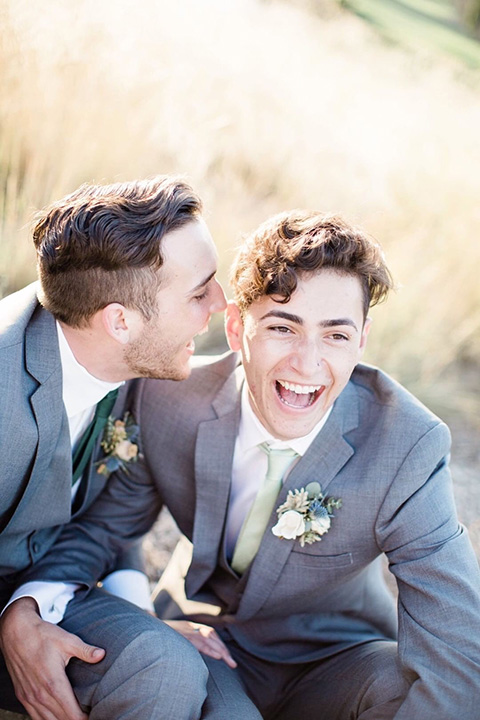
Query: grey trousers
x=150, y=672
x=361, y=683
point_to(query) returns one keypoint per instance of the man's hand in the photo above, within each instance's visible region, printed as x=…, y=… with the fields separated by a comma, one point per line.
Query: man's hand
x=36, y=654
x=204, y=638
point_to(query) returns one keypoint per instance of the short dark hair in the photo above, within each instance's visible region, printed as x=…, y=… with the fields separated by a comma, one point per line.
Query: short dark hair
x=102, y=244
x=296, y=243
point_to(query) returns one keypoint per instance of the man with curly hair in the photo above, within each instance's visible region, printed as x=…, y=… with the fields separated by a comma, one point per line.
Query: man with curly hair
x=291, y=468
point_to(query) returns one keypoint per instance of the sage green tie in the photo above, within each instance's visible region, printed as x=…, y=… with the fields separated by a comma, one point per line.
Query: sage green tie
x=85, y=447
x=254, y=525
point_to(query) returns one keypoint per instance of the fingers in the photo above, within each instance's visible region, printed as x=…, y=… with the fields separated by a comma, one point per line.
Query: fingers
x=204, y=638
x=70, y=645
x=54, y=700
x=214, y=646
x=36, y=654
x=39, y=713
x=87, y=653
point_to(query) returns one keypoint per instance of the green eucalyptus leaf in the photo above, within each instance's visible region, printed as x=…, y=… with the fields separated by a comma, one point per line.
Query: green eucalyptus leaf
x=313, y=489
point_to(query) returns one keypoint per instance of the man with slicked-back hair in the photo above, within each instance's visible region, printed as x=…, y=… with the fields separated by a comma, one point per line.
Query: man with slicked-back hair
x=126, y=280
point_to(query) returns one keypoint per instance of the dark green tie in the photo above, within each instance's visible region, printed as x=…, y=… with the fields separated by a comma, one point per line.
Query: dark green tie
x=85, y=447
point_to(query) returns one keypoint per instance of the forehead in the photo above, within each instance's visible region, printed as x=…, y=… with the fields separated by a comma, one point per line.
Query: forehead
x=323, y=295
x=188, y=251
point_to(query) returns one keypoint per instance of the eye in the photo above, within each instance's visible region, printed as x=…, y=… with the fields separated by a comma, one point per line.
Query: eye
x=281, y=329
x=203, y=295
x=339, y=337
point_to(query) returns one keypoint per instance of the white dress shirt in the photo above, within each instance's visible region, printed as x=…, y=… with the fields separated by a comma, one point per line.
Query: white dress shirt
x=81, y=392
x=250, y=464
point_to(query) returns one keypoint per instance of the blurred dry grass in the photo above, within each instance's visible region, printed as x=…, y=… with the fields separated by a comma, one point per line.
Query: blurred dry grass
x=264, y=106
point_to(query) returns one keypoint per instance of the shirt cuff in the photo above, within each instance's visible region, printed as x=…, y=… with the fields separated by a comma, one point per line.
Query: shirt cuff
x=52, y=598
x=131, y=585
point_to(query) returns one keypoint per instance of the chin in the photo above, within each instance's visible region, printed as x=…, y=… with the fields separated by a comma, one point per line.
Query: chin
x=292, y=430
x=185, y=373
x=181, y=371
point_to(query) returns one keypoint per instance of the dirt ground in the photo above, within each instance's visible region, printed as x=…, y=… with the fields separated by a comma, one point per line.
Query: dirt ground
x=465, y=464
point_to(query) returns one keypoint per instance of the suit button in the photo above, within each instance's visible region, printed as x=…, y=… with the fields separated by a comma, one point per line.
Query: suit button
x=35, y=547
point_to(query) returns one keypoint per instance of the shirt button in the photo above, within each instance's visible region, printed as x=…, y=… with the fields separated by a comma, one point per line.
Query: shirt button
x=35, y=547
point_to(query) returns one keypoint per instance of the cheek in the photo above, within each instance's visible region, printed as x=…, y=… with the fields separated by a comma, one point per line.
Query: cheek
x=343, y=367
x=263, y=373
x=258, y=378
x=190, y=320
x=268, y=357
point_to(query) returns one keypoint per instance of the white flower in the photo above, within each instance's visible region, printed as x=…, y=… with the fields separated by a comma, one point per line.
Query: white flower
x=126, y=450
x=290, y=525
x=321, y=525
x=306, y=515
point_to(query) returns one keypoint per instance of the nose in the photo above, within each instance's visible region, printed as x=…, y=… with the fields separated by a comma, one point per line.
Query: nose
x=219, y=301
x=307, y=358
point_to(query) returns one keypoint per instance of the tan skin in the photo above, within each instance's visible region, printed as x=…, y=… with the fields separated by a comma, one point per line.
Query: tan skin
x=204, y=638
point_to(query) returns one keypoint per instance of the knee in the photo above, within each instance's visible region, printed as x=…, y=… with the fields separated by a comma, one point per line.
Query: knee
x=163, y=651
x=157, y=666
x=386, y=682
x=144, y=659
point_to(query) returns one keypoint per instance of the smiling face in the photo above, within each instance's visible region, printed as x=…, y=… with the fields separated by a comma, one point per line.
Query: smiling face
x=188, y=295
x=299, y=356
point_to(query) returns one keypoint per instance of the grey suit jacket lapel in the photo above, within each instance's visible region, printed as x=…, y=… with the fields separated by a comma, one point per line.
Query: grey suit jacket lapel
x=322, y=462
x=43, y=363
x=213, y=472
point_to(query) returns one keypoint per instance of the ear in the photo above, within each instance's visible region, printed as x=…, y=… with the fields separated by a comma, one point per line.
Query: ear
x=119, y=322
x=233, y=326
x=365, y=331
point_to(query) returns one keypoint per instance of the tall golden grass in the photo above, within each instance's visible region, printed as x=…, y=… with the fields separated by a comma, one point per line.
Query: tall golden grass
x=264, y=106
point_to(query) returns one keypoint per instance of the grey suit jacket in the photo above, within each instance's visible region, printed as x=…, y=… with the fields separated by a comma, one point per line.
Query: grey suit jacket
x=385, y=455
x=35, y=452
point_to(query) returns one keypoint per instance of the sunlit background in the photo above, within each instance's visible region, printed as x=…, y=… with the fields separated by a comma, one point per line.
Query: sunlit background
x=370, y=108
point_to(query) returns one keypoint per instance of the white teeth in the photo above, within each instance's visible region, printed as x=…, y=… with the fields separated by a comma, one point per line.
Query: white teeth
x=299, y=389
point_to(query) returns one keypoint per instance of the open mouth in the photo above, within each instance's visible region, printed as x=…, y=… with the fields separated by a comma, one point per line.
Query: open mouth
x=191, y=345
x=298, y=396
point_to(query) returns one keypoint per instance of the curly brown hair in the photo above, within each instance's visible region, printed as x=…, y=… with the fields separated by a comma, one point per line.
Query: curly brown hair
x=102, y=244
x=294, y=243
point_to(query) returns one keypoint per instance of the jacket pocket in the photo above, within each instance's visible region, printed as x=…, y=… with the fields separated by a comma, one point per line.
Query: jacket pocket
x=322, y=562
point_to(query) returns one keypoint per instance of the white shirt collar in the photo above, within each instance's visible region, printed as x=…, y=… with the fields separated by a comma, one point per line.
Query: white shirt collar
x=80, y=389
x=252, y=433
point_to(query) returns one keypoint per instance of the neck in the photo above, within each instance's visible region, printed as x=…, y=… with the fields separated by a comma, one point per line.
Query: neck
x=96, y=352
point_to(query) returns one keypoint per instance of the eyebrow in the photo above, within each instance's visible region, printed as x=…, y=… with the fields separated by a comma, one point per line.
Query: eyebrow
x=334, y=322
x=203, y=283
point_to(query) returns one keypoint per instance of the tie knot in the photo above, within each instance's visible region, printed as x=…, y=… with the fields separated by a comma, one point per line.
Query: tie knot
x=105, y=405
x=279, y=460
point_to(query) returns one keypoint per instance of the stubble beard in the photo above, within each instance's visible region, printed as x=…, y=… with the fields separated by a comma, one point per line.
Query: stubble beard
x=146, y=360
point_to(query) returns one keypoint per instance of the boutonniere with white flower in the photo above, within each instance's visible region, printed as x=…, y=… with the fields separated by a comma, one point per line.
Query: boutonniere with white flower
x=305, y=515
x=119, y=444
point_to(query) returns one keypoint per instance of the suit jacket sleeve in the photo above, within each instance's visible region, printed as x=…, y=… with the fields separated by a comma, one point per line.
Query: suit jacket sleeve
x=439, y=585
x=106, y=534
